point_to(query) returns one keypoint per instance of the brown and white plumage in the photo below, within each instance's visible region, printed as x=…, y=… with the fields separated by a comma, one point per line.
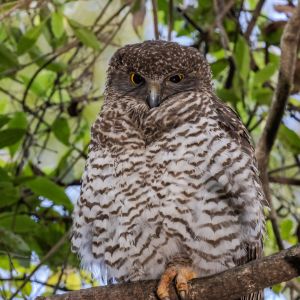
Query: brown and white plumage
x=173, y=184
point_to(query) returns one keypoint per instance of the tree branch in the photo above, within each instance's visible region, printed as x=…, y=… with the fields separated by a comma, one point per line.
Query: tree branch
x=155, y=19
x=289, y=47
x=51, y=252
x=289, y=43
x=254, y=18
x=230, y=284
x=285, y=180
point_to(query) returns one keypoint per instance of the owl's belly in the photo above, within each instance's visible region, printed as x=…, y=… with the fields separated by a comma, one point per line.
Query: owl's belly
x=167, y=201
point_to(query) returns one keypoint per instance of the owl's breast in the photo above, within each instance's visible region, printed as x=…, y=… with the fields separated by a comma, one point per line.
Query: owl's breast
x=178, y=194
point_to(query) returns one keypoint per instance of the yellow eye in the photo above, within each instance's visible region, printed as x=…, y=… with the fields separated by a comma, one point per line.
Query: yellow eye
x=136, y=79
x=176, y=78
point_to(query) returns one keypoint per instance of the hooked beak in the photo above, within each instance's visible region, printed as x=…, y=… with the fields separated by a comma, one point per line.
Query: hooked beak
x=153, y=97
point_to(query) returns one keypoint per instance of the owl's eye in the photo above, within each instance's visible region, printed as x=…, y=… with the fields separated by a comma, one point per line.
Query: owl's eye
x=176, y=78
x=136, y=79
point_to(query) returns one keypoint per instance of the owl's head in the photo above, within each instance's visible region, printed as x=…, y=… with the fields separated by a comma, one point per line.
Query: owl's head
x=153, y=71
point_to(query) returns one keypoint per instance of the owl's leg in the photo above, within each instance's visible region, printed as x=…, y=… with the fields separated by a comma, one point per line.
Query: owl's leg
x=182, y=274
x=165, y=280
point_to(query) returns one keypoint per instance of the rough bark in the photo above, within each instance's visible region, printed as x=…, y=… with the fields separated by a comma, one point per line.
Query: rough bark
x=230, y=284
x=289, y=48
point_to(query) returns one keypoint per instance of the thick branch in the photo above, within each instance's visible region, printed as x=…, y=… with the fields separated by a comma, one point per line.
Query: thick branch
x=230, y=284
x=289, y=43
x=285, y=180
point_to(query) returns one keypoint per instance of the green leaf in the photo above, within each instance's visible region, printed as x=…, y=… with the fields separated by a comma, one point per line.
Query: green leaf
x=57, y=25
x=10, y=136
x=19, y=121
x=42, y=83
x=9, y=194
x=13, y=242
x=28, y=40
x=3, y=175
x=3, y=120
x=242, y=57
x=61, y=130
x=87, y=37
x=262, y=95
x=227, y=95
x=44, y=187
x=218, y=66
x=264, y=74
x=286, y=227
x=8, y=59
x=20, y=223
x=289, y=138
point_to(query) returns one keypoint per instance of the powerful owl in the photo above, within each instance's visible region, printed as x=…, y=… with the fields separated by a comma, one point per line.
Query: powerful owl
x=171, y=188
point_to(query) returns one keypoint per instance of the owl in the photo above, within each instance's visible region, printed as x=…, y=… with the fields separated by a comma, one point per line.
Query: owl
x=171, y=189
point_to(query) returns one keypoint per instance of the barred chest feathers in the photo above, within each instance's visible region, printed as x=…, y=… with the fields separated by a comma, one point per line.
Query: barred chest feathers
x=180, y=183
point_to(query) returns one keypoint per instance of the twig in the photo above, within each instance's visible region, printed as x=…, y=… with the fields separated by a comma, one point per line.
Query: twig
x=190, y=21
x=223, y=12
x=155, y=19
x=219, y=23
x=36, y=281
x=285, y=180
x=19, y=5
x=57, y=285
x=170, y=20
x=283, y=168
x=51, y=252
x=254, y=18
x=231, y=284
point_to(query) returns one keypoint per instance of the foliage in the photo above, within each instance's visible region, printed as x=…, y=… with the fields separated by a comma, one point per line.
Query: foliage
x=53, y=56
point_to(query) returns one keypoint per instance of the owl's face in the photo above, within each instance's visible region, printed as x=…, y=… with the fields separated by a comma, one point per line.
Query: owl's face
x=153, y=71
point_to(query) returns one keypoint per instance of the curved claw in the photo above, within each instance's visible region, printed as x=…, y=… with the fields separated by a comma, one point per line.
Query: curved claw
x=183, y=274
x=183, y=295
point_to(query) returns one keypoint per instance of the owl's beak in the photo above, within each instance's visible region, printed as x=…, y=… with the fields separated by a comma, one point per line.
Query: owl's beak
x=153, y=97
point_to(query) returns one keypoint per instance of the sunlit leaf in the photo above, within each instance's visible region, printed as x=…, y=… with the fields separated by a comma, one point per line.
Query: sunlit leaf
x=73, y=281
x=61, y=130
x=289, y=138
x=57, y=25
x=286, y=227
x=42, y=82
x=27, y=289
x=28, y=40
x=262, y=95
x=87, y=37
x=264, y=74
x=242, y=57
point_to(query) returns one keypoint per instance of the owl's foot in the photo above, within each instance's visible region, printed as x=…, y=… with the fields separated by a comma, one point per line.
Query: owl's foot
x=182, y=274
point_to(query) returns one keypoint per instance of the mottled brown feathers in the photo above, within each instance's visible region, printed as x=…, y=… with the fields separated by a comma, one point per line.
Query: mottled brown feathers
x=167, y=182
